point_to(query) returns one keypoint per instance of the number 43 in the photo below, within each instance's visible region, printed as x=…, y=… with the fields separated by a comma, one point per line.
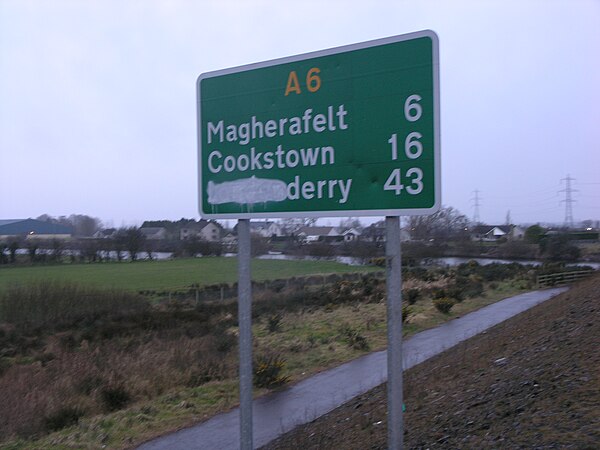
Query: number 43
x=394, y=181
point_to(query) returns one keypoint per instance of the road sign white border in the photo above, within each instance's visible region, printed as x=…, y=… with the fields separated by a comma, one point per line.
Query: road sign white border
x=332, y=51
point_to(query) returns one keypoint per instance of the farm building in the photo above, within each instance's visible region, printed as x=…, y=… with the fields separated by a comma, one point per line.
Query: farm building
x=33, y=229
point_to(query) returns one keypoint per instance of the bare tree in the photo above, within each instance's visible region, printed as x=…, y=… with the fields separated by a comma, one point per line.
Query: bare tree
x=3, y=257
x=351, y=222
x=90, y=250
x=32, y=247
x=447, y=223
x=82, y=225
x=133, y=240
x=118, y=243
x=12, y=250
x=57, y=248
x=292, y=225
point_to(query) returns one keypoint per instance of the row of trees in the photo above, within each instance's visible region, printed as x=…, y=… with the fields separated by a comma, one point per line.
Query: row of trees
x=126, y=243
x=130, y=240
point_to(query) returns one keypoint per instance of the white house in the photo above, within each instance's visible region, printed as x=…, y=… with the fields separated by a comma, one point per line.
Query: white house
x=492, y=233
x=314, y=234
x=206, y=230
x=351, y=234
x=266, y=228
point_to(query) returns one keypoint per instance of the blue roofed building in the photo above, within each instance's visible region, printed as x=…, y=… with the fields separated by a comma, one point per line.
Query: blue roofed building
x=33, y=229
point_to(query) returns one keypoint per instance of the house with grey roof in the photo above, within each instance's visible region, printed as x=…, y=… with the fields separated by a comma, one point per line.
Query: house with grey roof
x=154, y=233
x=207, y=230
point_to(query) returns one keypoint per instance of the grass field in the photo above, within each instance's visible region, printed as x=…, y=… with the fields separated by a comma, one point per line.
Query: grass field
x=169, y=275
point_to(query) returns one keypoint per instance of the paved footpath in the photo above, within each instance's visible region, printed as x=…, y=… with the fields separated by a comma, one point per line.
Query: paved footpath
x=279, y=412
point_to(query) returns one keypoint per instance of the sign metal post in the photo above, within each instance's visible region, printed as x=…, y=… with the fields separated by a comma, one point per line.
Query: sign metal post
x=245, y=324
x=394, y=328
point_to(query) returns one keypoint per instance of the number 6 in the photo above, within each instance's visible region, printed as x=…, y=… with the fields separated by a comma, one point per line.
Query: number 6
x=412, y=110
x=411, y=142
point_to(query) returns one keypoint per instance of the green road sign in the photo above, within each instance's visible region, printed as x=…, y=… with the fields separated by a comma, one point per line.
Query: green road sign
x=350, y=131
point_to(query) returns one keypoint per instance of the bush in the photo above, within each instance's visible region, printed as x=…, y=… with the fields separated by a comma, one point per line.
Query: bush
x=418, y=273
x=379, y=261
x=274, y=322
x=88, y=384
x=473, y=289
x=406, y=311
x=439, y=293
x=470, y=286
x=443, y=305
x=62, y=418
x=210, y=369
x=268, y=371
x=115, y=398
x=558, y=248
x=224, y=341
x=517, y=249
x=4, y=365
x=353, y=337
x=57, y=304
x=411, y=295
x=456, y=293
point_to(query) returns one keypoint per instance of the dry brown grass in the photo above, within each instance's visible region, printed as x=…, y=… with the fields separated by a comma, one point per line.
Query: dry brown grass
x=31, y=393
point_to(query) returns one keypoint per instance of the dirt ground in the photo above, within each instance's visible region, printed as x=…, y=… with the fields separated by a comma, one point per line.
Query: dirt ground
x=531, y=382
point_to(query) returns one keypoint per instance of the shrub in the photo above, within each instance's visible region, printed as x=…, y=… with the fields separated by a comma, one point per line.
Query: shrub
x=274, y=322
x=443, y=305
x=419, y=273
x=559, y=248
x=379, y=261
x=353, y=337
x=57, y=304
x=4, y=365
x=406, y=311
x=62, y=418
x=411, y=295
x=209, y=370
x=439, y=293
x=224, y=341
x=268, y=371
x=115, y=397
x=470, y=286
x=456, y=293
x=88, y=384
x=473, y=289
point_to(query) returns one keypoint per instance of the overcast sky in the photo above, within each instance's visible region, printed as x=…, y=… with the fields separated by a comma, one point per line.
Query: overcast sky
x=98, y=109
